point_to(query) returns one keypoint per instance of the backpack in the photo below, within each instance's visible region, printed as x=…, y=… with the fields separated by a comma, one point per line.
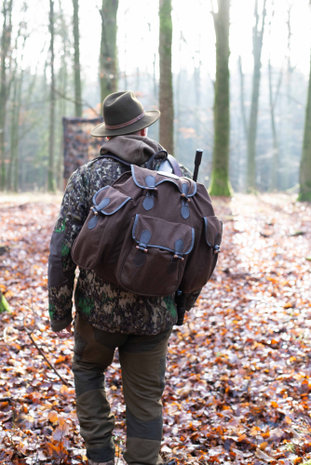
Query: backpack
x=151, y=233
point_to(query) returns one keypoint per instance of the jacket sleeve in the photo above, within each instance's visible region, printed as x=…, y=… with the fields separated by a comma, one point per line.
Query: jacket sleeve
x=61, y=269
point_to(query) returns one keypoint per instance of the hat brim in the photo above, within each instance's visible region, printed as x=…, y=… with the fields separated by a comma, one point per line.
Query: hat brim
x=147, y=120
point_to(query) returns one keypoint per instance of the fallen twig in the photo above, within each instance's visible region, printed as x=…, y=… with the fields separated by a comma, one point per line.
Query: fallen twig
x=45, y=358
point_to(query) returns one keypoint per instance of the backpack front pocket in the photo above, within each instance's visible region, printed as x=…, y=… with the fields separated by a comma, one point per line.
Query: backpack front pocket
x=154, y=255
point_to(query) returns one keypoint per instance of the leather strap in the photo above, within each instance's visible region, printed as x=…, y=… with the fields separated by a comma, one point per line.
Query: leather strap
x=175, y=165
x=173, y=162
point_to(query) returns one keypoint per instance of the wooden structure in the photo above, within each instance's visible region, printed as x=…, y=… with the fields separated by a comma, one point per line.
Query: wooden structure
x=79, y=145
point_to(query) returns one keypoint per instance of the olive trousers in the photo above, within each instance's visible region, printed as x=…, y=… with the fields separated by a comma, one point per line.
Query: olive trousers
x=143, y=362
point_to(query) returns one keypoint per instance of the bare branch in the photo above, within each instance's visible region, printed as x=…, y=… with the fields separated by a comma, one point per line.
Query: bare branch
x=45, y=358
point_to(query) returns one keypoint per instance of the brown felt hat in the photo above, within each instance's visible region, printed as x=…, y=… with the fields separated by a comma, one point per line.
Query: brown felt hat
x=123, y=114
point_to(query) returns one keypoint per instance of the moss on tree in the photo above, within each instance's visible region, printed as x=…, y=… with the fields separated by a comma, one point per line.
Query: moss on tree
x=305, y=164
x=220, y=185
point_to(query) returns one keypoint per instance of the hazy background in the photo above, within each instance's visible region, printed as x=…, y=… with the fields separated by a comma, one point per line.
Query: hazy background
x=194, y=73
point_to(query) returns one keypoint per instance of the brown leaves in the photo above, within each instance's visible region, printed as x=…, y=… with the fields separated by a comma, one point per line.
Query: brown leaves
x=245, y=344
x=57, y=447
x=238, y=373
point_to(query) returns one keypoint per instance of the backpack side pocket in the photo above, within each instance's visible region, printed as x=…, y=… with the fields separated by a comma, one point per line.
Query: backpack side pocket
x=100, y=239
x=203, y=260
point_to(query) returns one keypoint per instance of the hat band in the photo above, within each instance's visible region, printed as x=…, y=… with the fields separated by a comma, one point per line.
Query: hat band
x=127, y=123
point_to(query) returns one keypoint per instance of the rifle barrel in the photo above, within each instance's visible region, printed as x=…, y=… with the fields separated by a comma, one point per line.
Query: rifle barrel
x=197, y=162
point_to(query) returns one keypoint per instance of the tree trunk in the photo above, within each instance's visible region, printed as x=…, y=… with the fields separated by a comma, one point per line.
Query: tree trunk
x=62, y=86
x=273, y=97
x=305, y=164
x=154, y=78
x=51, y=180
x=5, y=63
x=252, y=125
x=108, y=48
x=242, y=98
x=166, y=81
x=220, y=184
x=12, y=178
x=288, y=120
x=76, y=66
x=16, y=103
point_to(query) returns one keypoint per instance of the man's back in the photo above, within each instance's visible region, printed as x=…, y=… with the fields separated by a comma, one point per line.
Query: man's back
x=108, y=318
x=104, y=305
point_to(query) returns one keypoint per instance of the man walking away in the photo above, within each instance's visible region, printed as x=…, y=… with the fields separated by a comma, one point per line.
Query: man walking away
x=108, y=317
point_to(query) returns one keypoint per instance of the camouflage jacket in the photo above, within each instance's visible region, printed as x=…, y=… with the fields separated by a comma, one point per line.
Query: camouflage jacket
x=104, y=305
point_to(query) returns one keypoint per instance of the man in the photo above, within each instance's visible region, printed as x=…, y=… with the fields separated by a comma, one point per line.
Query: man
x=108, y=317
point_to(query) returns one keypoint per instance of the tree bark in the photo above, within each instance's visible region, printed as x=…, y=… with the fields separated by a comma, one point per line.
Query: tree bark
x=273, y=96
x=242, y=98
x=5, y=82
x=62, y=91
x=220, y=185
x=12, y=178
x=108, y=74
x=288, y=123
x=305, y=164
x=51, y=180
x=76, y=65
x=16, y=102
x=166, y=103
x=258, y=32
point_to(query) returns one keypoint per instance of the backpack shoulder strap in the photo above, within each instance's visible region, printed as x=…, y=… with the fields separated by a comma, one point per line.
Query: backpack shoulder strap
x=174, y=164
x=172, y=161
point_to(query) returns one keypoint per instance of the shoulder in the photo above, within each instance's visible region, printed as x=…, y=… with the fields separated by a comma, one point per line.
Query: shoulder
x=104, y=168
x=185, y=171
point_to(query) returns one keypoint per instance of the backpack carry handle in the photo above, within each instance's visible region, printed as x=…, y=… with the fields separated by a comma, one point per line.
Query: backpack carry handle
x=197, y=162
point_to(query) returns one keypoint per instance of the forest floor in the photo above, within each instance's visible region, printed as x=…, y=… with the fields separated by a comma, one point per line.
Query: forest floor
x=238, y=373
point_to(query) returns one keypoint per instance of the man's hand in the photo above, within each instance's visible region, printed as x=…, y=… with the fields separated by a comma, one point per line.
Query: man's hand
x=62, y=333
x=68, y=329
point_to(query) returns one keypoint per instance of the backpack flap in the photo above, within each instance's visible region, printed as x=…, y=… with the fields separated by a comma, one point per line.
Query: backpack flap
x=156, y=248
x=158, y=233
x=150, y=180
x=107, y=201
x=95, y=243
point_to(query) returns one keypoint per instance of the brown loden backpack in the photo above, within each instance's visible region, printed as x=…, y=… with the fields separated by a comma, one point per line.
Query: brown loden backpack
x=150, y=233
